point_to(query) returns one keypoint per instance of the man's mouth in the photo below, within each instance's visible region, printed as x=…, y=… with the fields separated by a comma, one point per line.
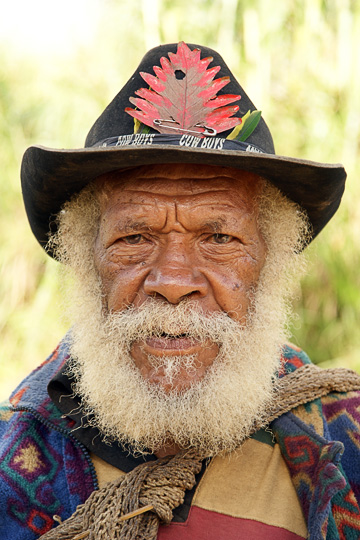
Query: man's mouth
x=172, y=342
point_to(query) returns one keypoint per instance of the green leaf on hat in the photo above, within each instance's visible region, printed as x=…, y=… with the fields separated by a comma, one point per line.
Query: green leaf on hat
x=235, y=132
x=248, y=123
x=139, y=127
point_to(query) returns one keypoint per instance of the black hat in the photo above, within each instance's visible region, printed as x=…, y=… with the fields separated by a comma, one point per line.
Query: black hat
x=184, y=117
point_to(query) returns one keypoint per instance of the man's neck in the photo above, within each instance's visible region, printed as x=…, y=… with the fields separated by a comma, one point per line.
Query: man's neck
x=168, y=450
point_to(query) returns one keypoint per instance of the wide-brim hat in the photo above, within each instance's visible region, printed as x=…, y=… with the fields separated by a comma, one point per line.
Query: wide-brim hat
x=165, y=128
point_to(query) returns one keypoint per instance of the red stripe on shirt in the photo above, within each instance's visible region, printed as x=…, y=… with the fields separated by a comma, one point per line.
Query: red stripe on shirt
x=207, y=525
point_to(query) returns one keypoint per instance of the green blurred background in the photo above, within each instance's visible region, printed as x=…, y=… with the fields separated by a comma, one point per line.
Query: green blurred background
x=60, y=65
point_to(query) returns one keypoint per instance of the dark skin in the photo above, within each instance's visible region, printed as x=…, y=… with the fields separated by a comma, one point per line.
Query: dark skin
x=172, y=232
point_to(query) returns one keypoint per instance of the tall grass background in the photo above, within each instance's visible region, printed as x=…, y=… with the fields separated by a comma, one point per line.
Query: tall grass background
x=300, y=63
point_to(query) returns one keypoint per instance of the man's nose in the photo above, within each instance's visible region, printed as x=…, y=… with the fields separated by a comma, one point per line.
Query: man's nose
x=175, y=276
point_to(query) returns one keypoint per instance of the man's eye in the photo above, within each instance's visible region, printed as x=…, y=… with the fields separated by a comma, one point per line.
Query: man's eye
x=221, y=238
x=133, y=239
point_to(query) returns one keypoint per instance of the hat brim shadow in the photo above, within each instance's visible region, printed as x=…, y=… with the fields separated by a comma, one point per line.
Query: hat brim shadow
x=51, y=177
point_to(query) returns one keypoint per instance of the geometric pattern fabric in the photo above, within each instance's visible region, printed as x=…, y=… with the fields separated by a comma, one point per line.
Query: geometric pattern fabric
x=45, y=471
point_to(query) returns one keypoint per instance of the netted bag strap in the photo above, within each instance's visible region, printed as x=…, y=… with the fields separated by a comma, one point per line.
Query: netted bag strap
x=307, y=383
x=113, y=512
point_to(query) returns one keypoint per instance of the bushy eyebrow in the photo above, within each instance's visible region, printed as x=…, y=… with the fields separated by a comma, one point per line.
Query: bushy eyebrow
x=131, y=226
x=214, y=225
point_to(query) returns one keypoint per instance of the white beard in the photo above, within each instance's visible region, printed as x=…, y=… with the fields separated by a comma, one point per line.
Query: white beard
x=214, y=414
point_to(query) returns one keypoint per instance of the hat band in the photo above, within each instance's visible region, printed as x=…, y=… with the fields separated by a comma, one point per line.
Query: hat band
x=188, y=141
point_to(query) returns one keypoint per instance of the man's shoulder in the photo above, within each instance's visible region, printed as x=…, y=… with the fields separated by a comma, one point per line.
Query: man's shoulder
x=30, y=401
x=6, y=413
x=32, y=391
x=342, y=413
x=292, y=358
x=330, y=396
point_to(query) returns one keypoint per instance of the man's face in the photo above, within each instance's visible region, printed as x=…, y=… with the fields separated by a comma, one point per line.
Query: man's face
x=179, y=232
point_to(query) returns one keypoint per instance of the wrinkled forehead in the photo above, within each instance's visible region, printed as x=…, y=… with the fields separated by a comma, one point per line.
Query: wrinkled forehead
x=181, y=181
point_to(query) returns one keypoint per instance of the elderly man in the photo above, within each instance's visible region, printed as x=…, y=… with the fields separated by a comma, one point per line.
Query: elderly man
x=174, y=406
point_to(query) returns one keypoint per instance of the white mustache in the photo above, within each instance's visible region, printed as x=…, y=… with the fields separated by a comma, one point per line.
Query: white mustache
x=157, y=319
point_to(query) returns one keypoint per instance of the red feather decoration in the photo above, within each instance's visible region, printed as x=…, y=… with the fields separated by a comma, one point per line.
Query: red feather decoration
x=182, y=97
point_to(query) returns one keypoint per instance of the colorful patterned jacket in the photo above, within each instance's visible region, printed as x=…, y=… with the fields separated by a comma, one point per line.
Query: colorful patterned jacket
x=45, y=471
